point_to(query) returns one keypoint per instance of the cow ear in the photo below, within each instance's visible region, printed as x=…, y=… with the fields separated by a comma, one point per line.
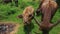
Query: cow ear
x=20, y=16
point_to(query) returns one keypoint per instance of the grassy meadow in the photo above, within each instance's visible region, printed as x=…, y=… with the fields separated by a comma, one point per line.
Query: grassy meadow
x=7, y=15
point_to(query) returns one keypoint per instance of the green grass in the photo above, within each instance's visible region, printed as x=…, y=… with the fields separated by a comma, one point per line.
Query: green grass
x=4, y=9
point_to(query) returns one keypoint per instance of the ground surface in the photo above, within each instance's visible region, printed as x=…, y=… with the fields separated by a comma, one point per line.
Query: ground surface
x=8, y=28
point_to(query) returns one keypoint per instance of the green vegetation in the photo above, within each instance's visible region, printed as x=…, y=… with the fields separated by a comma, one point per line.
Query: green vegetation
x=6, y=11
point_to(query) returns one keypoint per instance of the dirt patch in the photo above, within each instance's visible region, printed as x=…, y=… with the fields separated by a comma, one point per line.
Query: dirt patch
x=8, y=28
x=58, y=32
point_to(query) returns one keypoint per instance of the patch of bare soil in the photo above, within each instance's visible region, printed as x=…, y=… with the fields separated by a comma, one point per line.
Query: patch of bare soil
x=58, y=32
x=8, y=28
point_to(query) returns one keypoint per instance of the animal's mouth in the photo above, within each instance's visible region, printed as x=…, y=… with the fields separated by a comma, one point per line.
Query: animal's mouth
x=26, y=23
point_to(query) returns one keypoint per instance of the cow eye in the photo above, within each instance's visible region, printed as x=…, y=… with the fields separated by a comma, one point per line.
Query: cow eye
x=30, y=15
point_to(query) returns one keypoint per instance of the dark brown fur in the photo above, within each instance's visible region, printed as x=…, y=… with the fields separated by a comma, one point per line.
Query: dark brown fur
x=52, y=8
x=48, y=9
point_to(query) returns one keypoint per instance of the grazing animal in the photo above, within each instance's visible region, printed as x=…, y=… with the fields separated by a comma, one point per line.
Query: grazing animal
x=27, y=16
x=48, y=9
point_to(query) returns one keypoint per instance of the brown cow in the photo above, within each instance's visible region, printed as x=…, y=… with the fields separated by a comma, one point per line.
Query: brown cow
x=47, y=6
x=27, y=16
x=48, y=9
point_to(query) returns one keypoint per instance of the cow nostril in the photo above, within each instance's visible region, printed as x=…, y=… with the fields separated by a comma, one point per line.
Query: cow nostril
x=25, y=22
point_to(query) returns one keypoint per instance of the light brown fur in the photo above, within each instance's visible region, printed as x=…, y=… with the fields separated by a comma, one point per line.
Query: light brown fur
x=28, y=14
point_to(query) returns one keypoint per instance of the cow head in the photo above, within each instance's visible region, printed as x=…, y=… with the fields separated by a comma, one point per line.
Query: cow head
x=27, y=14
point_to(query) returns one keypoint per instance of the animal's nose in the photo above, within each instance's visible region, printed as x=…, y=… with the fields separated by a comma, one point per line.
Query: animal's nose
x=25, y=22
